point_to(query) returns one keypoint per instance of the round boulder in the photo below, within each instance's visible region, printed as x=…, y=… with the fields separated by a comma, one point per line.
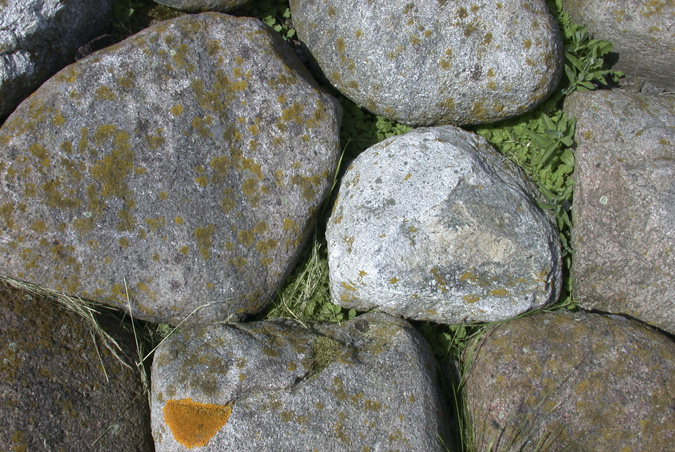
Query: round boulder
x=436, y=225
x=435, y=62
x=175, y=173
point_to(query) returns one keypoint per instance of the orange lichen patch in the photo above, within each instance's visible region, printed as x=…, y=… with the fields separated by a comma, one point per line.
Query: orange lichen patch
x=193, y=424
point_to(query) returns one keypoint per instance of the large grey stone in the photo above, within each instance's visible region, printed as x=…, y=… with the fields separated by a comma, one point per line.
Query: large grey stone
x=571, y=382
x=177, y=169
x=203, y=5
x=624, y=205
x=39, y=37
x=368, y=384
x=436, y=225
x=60, y=388
x=435, y=62
x=641, y=32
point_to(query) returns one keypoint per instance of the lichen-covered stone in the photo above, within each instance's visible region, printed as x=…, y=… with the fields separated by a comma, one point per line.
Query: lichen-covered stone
x=436, y=225
x=368, y=384
x=39, y=37
x=61, y=390
x=624, y=205
x=641, y=32
x=177, y=169
x=571, y=381
x=435, y=62
x=203, y=5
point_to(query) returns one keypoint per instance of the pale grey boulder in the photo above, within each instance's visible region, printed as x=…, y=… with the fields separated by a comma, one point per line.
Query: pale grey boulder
x=436, y=225
x=435, y=62
x=39, y=37
x=61, y=388
x=571, y=381
x=640, y=31
x=624, y=205
x=178, y=169
x=368, y=384
x=203, y=5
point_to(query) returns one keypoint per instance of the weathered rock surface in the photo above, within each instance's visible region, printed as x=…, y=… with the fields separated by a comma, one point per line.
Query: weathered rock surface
x=624, y=205
x=572, y=381
x=641, y=32
x=54, y=392
x=368, y=384
x=203, y=5
x=435, y=62
x=179, y=168
x=39, y=37
x=436, y=225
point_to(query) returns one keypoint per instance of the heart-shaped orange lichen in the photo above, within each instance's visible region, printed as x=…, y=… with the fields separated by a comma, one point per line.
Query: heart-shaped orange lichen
x=193, y=424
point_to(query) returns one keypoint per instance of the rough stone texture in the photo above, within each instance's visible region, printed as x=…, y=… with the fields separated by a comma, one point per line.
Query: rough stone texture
x=184, y=164
x=641, y=32
x=572, y=381
x=203, y=5
x=368, y=384
x=624, y=205
x=39, y=37
x=53, y=391
x=435, y=62
x=436, y=225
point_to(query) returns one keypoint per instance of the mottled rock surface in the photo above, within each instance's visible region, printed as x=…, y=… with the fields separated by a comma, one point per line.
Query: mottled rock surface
x=39, y=37
x=641, y=32
x=203, y=5
x=624, y=205
x=436, y=225
x=572, y=381
x=368, y=384
x=54, y=393
x=179, y=168
x=435, y=62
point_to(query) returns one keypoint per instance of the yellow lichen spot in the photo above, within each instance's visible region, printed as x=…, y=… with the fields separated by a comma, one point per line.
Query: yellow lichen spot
x=203, y=236
x=348, y=286
x=358, y=33
x=176, y=110
x=340, y=45
x=184, y=250
x=203, y=181
x=394, y=280
x=124, y=242
x=40, y=153
x=193, y=424
x=260, y=227
x=499, y=292
x=238, y=261
x=245, y=238
x=155, y=257
x=58, y=120
x=163, y=195
x=155, y=223
x=39, y=226
x=104, y=93
x=470, y=299
x=178, y=220
x=527, y=43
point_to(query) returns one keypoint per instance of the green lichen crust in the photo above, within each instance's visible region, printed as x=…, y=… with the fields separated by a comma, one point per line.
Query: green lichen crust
x=435, y=62
x=368, y=384
x=571, y=381
x=436, y=225
x=177, y=169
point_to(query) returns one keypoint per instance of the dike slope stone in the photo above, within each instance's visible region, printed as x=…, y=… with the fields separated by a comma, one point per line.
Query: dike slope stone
x=436, y=225
x=177, y=169
x=435, y=62
x=368, y=384
x=39, y=37
x=571, y=381
x=203, y=5
x=54, y=393
x=641, y=32
x=624, y=205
